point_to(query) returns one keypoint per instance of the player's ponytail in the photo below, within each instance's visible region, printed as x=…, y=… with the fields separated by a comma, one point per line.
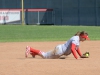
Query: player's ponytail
x=77, y=34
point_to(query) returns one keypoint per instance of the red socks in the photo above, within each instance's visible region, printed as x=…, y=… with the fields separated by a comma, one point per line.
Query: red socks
x=36, y=52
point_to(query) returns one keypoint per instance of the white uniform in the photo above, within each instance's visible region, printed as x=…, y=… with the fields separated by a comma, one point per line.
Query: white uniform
x=62, y=49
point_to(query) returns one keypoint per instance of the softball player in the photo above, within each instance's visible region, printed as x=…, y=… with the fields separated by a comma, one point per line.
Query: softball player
x=71, y=46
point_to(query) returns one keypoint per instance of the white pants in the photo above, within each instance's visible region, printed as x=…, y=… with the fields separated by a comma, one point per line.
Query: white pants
x=53, y=54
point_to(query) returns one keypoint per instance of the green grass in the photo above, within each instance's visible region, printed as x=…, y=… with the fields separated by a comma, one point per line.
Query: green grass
x=19, y=33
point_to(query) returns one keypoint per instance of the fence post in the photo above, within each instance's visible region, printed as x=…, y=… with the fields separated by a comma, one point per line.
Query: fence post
x=22, y=1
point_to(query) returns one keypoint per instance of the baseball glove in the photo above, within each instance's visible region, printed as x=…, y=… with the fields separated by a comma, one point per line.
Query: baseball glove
x=85, y=55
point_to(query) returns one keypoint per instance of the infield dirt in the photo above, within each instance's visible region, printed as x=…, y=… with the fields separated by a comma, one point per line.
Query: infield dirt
x=13, y=61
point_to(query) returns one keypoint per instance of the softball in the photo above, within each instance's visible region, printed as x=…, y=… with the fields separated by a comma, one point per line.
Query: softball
x=87, y=55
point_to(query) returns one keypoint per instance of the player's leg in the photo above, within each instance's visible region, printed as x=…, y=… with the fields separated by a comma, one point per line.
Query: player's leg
x=33, y=52
x=54, y=54
x=58, y=50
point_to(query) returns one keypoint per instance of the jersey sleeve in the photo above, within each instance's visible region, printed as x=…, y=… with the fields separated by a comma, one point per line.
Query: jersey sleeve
x=75, y=42
x=79, y=52
x=73, y=50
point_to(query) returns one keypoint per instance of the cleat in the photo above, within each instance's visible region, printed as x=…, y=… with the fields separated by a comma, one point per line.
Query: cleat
x=27, y=51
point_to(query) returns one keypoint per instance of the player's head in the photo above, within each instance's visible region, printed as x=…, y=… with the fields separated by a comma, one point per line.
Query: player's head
x=83, y=35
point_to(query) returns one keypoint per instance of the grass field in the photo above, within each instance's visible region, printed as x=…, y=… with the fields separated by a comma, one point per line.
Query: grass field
x=27, y=33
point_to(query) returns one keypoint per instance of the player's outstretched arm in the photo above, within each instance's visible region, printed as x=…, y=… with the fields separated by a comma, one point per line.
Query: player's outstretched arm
x=79, y=52
x=73, y=50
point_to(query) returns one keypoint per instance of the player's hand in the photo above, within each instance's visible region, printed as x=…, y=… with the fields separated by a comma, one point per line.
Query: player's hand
x=85, y=55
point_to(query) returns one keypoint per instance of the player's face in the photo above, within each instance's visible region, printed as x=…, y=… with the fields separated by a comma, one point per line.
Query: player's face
x=82, y=39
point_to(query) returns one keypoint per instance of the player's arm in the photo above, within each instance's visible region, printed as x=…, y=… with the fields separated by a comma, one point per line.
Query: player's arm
x=79, y=52
x=85, y=55
x=73, y=46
